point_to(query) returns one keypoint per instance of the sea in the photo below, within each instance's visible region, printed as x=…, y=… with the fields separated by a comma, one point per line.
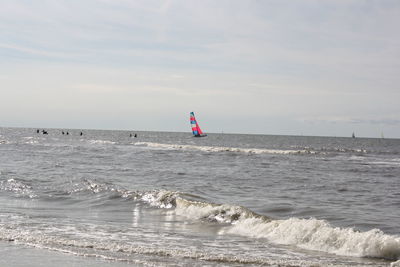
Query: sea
x=106, y=198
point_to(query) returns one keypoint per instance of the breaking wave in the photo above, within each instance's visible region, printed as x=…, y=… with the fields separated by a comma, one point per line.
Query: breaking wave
x=101, y=142
x=19, y=188
x=311, y=234
x=319, y=235
x=295, y=150
x=222, y=149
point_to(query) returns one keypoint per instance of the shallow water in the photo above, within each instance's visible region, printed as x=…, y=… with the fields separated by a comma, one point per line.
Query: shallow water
x=223, y=200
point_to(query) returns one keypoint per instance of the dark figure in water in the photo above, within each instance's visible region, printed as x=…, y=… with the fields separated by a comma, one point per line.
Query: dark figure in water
x=81, y=133
x=67, y=133
x=130, y=135
x=135, y=135
x=37, y=131
x=44, y=132
x=63, y=132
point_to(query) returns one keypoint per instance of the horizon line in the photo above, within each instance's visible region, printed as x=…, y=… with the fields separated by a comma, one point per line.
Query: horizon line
x=189, y=132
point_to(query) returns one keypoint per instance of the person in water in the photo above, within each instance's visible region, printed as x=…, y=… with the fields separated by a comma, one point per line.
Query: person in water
x=81, y=134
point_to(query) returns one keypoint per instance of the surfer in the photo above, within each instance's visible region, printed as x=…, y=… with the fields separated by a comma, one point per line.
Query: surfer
x=81, y=134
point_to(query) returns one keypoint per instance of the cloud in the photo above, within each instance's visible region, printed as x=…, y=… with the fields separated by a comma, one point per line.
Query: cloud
x=377, y=121
x=351, y=120
x=33, y=51
x=328, y=61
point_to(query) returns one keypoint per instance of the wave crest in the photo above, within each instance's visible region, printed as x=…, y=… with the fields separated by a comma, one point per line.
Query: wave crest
x=319, y=235
x=311, y=234
x=222, y=149
x=161, y=199
x=101, y=142
x=18, y=187
x=214, y=212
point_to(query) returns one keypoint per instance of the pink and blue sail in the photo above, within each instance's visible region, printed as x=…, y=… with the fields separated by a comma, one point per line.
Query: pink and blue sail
x=195, y=126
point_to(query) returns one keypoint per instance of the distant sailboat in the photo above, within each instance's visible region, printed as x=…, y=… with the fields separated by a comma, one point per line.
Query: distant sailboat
x=195, y=126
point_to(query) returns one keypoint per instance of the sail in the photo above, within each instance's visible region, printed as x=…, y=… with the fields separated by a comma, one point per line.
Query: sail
x=195, y=126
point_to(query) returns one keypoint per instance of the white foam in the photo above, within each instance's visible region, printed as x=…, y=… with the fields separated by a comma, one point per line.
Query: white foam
x=101, y=142
x=32, y=142
x=161, y=199
x=18, y=187
x=116, y=250
x=222, y=149
x=211, y=212
x=395, y=264
x=88, y=185
x=319, y=235
x=311, y=234
x=392, y=162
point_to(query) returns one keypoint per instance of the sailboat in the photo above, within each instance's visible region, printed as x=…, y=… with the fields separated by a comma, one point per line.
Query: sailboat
x=195, y=126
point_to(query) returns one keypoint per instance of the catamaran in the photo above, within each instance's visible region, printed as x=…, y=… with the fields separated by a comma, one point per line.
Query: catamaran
x=195, y=126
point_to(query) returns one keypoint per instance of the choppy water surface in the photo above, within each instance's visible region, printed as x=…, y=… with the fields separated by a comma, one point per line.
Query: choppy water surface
x=223, y=200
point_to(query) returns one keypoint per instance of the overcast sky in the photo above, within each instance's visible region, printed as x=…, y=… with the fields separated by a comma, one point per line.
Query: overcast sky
x=292, y=67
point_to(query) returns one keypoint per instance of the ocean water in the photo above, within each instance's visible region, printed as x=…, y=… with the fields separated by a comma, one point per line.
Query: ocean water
x=169, y=199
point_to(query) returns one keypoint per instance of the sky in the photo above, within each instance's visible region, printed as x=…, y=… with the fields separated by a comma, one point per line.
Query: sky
x=291, y=67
